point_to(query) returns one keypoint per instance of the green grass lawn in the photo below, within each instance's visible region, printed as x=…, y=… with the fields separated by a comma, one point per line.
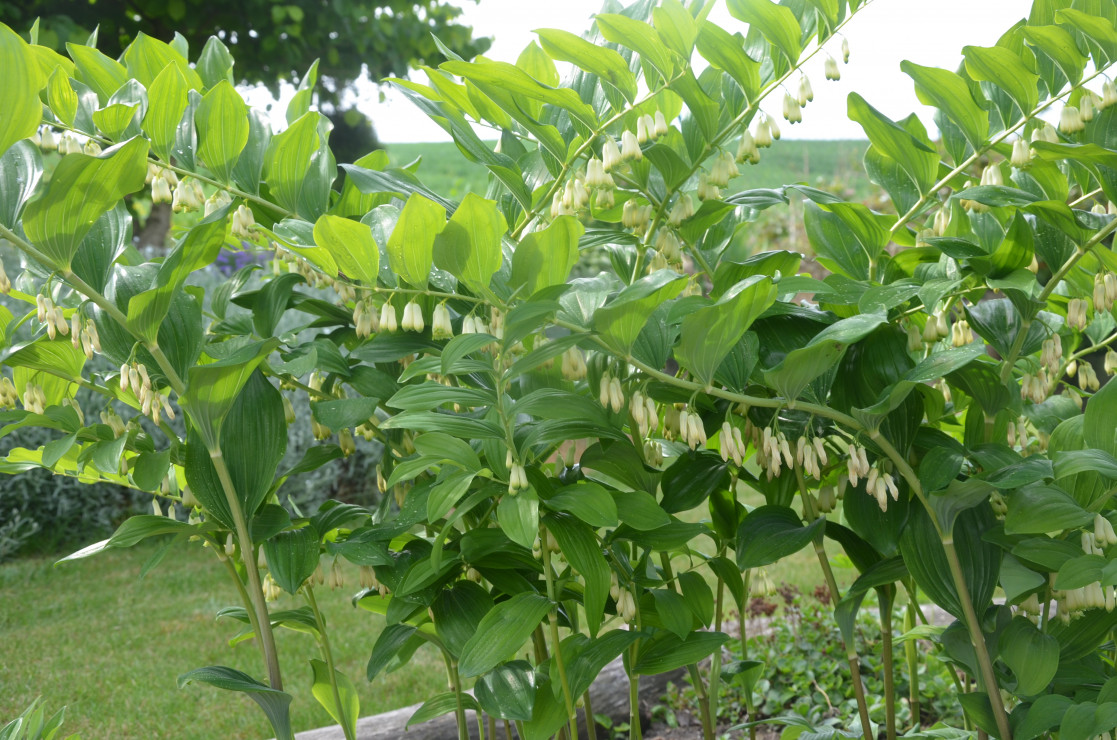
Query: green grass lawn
x=818, y=163
x=95, y=637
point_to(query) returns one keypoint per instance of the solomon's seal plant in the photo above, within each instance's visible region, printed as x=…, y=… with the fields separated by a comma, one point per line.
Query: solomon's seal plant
x=563, y=457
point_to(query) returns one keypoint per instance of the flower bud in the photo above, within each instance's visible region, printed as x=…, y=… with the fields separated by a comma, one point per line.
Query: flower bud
x=1108, y=94
x=833, y=73
x=346, y=442
x=610, y=154
x=806, y=93
x=388, y=317
x=441, y=327
x=1070, y=120
x=845, y=50
x=630, y=147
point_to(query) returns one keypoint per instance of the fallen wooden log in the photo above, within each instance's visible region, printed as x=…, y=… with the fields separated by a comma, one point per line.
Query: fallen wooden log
x=609, y=695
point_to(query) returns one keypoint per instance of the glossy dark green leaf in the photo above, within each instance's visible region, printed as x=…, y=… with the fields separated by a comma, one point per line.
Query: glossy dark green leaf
x=770, y=533
x=458, y=610
x=582, y=550
x=1038, y=508
x=508, y=691
x=292, y=557
x=691, y=479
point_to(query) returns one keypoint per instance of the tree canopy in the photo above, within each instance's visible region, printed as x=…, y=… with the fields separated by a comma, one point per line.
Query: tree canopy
x=272, y=41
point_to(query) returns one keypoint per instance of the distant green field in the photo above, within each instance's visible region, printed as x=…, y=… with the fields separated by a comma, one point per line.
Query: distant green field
x=819, y=163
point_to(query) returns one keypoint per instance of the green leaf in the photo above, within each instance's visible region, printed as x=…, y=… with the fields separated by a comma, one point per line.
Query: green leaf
x=638, y=36
x=1098, y=429
x=1044, y=714
x=167, y=100
x=508, y=691
x=545, y=258
x=146, y=58
x=770, y=533
x=916, y=158
x=411, y=245
x=666, y=651
x=457, y=611
x=436, y=706
x=800, y=366
x=692, y=479
x=292, y=557
x=1038, y=508
x=708, y=334
x=1097, y=29
x=469, y=245
x=21, y=168
x=392, y=640
x=776, y=22
x=61, y=98
x=102, y=74
x=619, y=322
x=502, y=632
x=222, y=121
x=597, y=60
x=948, y=92
x=214, y=388
x=446, y=493
x=582, y=550
x=19, y=96
x=588, y=501
x=515, y=82
x=1007, y=71
x=134, y=530
x=351, y=245
x=925, y=557
x=1058, y=44
x=676, y=27
x=275, y=704
x=519, y=516
x=726, y=52
x=82, y=188
x=323, y=690
x=1032, y=655
x=296, y=163
x=215, y=63
x=672, y=611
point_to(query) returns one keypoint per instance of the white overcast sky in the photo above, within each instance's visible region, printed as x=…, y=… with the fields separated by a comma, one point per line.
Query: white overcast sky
x=928, y=32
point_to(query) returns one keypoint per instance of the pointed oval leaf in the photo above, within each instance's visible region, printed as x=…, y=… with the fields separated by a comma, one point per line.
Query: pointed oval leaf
x=502, y=632
x=411, y=244
x=222, y=121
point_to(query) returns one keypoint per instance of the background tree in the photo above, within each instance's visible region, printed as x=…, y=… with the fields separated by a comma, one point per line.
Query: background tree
x=273, y=42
